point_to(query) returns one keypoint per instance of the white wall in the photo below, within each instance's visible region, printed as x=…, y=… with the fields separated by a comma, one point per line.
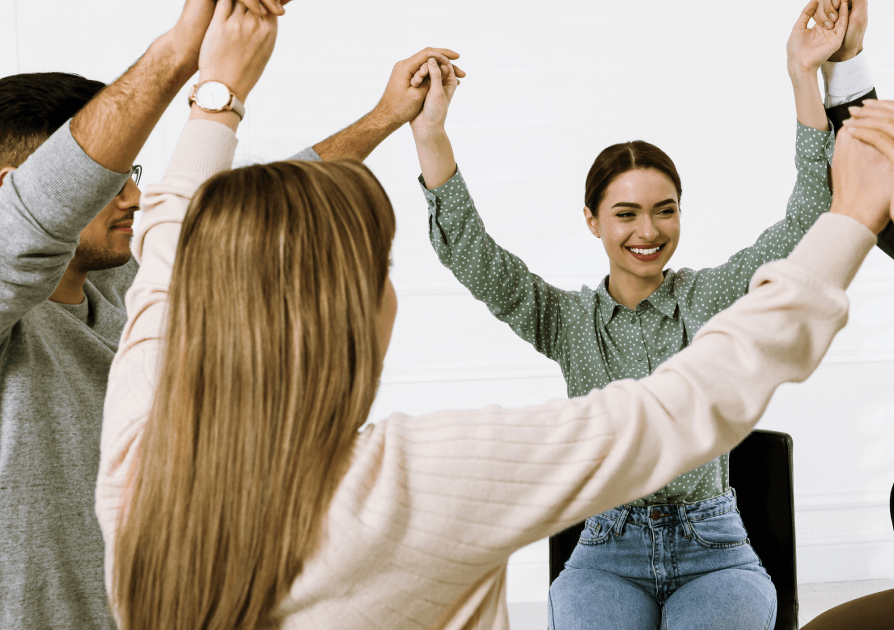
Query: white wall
x=549, y=86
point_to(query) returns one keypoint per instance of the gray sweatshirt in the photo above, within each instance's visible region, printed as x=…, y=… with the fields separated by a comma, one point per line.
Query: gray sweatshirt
x=54, y=367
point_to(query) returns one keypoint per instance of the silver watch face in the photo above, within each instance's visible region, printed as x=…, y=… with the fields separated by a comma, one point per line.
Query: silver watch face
x=212, y=95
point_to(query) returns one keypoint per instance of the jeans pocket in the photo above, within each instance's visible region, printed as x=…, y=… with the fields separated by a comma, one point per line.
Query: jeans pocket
x=723, y=531
x=595, y=532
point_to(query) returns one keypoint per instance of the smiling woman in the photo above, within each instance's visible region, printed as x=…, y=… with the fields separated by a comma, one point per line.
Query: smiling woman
x=653, y=570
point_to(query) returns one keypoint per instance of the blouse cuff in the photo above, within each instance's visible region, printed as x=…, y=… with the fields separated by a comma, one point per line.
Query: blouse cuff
x=450, y=196
x=813, y=144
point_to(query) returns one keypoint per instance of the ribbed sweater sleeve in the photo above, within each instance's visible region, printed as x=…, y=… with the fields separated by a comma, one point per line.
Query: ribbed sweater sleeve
x=522, y=474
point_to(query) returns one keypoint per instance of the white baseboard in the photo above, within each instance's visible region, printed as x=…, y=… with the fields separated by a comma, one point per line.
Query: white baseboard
x=846, y=561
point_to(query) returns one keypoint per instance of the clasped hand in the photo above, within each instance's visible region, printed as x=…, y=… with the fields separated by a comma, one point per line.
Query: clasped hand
x=863, y=166
x=237, y=46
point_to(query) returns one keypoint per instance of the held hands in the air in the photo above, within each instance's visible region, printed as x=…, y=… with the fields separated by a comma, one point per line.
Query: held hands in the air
x=808, y=48
x=407, y=87
x=862, y=172
x=236, y=47
x=444, y=82
x=857, y=21
x=189, y=31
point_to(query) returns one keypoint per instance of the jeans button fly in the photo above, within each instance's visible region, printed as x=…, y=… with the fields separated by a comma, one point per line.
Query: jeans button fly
x=655, y=515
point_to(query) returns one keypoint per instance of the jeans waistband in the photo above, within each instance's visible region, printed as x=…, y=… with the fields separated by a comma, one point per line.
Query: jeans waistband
x=669, y=514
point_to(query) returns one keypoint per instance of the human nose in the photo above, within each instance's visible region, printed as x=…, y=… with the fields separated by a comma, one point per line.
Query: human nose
x=129, y=197
x=645, y=228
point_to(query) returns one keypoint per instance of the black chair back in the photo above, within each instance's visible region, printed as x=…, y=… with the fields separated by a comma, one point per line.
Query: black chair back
x=761, y=473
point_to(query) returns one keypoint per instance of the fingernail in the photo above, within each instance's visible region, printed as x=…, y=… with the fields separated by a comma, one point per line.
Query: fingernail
x=832, y=15
x=828, y=24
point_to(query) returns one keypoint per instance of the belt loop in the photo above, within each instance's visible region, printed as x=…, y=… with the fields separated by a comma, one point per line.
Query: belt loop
x=684, y=520
x=621, y=520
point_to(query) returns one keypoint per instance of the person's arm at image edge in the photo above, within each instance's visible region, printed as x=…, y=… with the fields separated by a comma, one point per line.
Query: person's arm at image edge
x=399, y=104
x=848, y=82
x=50, y=199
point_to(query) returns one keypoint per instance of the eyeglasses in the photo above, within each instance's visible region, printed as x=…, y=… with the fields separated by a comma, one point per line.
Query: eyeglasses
x=135, y=173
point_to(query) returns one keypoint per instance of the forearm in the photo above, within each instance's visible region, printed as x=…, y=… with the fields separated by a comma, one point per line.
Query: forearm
x=808, y=100
x=113, y=127
x=435, y=157
x=357, y=141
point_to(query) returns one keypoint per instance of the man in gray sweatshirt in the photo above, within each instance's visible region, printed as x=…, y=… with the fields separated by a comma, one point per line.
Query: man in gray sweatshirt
x=66, y=208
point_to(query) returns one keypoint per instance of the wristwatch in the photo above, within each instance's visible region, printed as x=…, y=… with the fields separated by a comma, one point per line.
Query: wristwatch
x=214, y=96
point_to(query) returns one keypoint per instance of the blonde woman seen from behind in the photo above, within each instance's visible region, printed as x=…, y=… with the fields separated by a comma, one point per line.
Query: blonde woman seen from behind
x=236, y=489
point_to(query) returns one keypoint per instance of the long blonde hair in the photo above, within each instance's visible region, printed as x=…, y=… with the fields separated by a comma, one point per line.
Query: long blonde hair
x=270, y=366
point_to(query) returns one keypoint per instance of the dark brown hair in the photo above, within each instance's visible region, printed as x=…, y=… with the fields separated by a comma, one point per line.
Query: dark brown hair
x=620, y=158
x=33, y=106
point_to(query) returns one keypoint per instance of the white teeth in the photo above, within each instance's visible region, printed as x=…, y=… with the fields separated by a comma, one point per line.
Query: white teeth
x=645, y=252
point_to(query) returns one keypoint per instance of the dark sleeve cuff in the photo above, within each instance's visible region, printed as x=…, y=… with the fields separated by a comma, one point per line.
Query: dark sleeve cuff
x=838, y=114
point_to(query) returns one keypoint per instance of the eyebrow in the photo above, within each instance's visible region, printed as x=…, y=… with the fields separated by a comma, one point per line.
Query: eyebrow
x=628, y=204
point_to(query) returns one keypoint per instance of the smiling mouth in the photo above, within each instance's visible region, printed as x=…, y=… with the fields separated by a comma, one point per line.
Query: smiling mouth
x=644, y=252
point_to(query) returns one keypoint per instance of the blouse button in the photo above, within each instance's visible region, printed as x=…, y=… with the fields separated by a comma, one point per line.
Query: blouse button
x=633, y=319
x=639, y=357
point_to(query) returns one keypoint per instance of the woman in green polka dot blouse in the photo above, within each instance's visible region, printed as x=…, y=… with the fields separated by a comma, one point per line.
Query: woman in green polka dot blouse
x=678, y=557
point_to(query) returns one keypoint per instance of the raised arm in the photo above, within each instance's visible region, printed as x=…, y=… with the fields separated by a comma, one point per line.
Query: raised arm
x=400, y=103
x=234, y=52
x=807, y=49
x=534, y=309
x=49, y=200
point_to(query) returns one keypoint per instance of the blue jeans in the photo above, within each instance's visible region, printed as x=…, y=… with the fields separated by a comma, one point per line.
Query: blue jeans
x=673, y=567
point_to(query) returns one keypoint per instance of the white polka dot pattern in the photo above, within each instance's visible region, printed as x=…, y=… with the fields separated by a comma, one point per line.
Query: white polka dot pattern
x=594, y=339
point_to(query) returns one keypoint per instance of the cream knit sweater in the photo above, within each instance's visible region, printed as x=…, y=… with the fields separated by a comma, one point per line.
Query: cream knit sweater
x=420, y=530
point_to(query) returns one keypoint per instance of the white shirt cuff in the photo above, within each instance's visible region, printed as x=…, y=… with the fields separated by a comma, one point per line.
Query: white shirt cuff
x=846, y=80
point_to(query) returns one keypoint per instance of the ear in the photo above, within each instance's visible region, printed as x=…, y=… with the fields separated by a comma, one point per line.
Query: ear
x=592, y=222
x=4, y=172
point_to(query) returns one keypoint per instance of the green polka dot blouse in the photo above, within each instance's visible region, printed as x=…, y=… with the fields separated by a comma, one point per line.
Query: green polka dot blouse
x=594, y=339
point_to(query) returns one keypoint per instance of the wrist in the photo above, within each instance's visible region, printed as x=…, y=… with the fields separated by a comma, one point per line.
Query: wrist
x=380, y=121
x=228, y=118
x=845, y=55
x=856, y=211
x=425, y=134
x=182, y=60
x=801, y=75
